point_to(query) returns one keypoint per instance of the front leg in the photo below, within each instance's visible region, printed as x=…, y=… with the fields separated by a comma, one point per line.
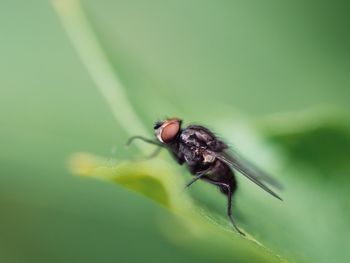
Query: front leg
x=143, y=139
x=154, y=153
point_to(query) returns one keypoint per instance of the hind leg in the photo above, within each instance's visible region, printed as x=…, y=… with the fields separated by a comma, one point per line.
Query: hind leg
x=228, y=189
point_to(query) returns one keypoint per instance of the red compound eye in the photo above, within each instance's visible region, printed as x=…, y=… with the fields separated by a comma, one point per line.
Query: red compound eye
x=170, y=130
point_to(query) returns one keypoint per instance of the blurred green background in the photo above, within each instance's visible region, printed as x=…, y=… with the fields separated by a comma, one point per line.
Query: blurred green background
x=205, y=61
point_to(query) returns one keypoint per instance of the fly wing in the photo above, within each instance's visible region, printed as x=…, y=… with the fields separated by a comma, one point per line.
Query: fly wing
x=262, y=175
x=248, y=170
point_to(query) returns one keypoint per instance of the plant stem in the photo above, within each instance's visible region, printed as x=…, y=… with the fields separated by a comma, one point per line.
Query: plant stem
x=94, y=59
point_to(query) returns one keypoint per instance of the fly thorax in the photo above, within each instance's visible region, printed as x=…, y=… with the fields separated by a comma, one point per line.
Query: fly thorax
x=208, y=158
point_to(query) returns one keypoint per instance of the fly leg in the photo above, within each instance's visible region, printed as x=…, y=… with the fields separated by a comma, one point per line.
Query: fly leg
x=143, y=139
x=198, y=176
x=154, y=153
x=228, y=190
x=229, y=209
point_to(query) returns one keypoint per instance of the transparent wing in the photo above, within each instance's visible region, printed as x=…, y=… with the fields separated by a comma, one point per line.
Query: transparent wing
x=262, y=175
x=248, y=170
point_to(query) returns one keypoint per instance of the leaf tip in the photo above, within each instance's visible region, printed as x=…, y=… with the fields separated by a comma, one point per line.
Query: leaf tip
x=83, y=163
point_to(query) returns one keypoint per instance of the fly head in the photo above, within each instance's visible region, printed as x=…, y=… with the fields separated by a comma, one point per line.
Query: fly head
x=167, y=131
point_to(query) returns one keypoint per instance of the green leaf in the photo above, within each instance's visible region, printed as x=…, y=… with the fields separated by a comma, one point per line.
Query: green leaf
x=190, y=226
x=309, y=153
x=299, y=228
x=314, y=149
x=318, y=138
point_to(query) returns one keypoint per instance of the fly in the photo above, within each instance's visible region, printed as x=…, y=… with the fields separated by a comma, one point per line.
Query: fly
x=207, y=158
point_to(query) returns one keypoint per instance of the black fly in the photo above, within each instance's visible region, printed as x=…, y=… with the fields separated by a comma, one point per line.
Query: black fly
x=207, y=158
